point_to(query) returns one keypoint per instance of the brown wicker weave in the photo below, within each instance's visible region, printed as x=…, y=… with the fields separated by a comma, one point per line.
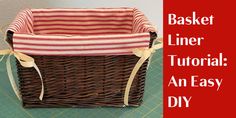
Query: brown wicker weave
x=81, y=81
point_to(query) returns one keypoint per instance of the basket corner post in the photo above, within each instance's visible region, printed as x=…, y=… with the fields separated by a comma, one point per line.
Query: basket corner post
x=153, y=36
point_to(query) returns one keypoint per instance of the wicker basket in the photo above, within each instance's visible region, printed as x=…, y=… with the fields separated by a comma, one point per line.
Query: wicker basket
x=81, y=80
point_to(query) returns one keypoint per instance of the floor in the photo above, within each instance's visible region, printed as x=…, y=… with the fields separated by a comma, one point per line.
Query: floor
x=152, y=107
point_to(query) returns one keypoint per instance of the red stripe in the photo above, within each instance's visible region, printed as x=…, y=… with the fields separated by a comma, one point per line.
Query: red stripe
x=91, y=54
x=71, y=33
x=90, y=49
x=104, y=20
x=76, y=15
x=92, y=24
x=95, y=44
x=77, y=29
x=77, y=39
x=87, y=11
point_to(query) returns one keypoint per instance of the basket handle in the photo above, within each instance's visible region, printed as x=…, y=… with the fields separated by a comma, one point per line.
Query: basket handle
x=144, y=54
x=25, y=61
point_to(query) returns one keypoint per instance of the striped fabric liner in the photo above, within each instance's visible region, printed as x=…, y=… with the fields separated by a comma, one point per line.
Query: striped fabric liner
x=141, y=23
x=23, y=23
x=73, y=32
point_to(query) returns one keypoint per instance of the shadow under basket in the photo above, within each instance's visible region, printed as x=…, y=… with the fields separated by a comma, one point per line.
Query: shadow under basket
x=81, y=81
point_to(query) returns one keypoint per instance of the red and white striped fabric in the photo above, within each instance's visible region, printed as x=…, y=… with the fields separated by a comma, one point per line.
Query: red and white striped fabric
x=71, y=32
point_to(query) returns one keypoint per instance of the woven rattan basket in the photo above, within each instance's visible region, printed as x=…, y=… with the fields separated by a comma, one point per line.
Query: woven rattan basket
x=79, y=79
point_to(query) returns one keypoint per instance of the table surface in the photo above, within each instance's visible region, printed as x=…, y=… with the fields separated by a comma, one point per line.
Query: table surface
x=152, y=107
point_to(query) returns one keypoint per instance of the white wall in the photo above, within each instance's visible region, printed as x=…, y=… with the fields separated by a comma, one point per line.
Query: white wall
x=153, y=9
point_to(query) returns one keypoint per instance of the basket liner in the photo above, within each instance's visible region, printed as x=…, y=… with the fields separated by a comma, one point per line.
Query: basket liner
x=90, y=32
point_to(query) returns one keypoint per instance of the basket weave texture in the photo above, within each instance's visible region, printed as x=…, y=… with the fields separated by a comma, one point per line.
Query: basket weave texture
x=81, y=81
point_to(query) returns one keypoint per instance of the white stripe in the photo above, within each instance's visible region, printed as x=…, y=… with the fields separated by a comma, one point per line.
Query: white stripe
x=82, y=22
x=75, y=52
x=78, y=41
x=83, y=31
x=75, y=37
x=80, y=47
x=82, y=27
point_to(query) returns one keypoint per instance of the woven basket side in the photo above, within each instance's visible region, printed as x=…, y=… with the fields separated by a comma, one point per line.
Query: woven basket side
x=81, y=81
